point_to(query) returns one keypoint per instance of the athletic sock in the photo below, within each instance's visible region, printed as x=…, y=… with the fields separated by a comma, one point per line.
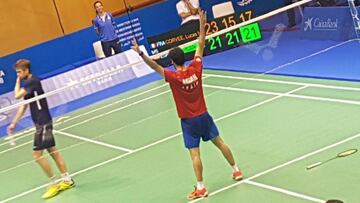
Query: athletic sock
x=66, y=177
x=235, y=168
x=200, y=185
x=53, y=180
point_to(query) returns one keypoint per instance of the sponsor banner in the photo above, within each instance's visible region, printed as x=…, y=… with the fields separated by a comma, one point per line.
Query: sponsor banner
x=328, y=23
x=112, y=66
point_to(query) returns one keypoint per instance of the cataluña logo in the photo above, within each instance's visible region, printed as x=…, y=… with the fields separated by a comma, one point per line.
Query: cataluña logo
x=321, y=24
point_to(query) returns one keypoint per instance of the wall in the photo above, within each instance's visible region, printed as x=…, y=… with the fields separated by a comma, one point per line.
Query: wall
x=64, y=53
x=25, y=23
x=31, y=22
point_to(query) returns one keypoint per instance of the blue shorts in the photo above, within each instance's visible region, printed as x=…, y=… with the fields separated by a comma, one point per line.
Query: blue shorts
x=201, y=126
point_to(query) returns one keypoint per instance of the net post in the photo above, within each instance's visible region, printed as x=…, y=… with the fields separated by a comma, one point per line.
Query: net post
x=355, y=17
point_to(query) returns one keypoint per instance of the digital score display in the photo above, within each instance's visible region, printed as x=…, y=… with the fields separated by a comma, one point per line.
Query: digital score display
x=221, y=42
x=168, y=40
x=246, y=34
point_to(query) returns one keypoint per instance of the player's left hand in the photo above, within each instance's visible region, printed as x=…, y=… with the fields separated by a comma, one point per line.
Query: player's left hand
x=202, y=15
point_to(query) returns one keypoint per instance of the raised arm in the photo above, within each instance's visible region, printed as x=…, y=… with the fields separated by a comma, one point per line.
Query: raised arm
x=148, y=60
x=201, y=41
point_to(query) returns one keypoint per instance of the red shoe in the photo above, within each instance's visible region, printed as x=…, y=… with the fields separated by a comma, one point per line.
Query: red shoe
x=198, y=193
x=237, y=175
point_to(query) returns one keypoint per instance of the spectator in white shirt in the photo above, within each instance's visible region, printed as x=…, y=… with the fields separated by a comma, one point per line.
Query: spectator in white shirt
x=188, y=10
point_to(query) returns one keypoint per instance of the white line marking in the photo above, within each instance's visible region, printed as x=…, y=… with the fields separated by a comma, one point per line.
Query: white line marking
x=147, y=146
x=102, y=135
x=285, y=82
x=289, y=95
x=93, y=141
x=309, y=56
x=287, y=192
x=26, y=132
x=284, y=164
x=115, y=110
x=15, y=147
x=104, y=114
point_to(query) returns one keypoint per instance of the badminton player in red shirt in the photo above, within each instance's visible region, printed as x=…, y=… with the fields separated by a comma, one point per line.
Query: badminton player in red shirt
x=196, y=123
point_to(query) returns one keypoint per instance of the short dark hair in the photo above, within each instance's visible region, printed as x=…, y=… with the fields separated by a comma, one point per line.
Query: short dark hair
x=23, y=64
x=177, y=55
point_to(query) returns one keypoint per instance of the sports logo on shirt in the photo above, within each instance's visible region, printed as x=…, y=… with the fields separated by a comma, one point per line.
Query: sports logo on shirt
x=190, y=83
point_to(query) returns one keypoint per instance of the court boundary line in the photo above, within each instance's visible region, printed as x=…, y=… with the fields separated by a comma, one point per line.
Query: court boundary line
x=284, y=191
x=314, y=98
x=303, y=157
x=92, y=118
x=15, y=147
x=229, y=88
x=80, y=143
x=337, y=87
x=26, y=133
x=269, y=71
x=147, y=146
x=309, y=56
x=93, y=141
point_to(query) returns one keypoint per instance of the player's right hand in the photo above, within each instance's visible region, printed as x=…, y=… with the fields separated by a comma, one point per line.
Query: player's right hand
x=135, y=46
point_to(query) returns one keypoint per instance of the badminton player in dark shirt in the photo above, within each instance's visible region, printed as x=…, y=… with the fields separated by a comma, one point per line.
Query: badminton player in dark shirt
x=44, y=139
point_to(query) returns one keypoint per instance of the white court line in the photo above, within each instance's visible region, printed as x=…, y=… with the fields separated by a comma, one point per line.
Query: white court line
x=287, y=192
x=272, y=70
x=25, y=134
x=102, y=135
x=221, y=88
x=285, y=82
x=116, y=110
x=147, y=146
x=290, y=95
x=15, y=147
x=93, y=141
x=309, y=56
x=107, y=113
x=284, y=165
x=295, y=61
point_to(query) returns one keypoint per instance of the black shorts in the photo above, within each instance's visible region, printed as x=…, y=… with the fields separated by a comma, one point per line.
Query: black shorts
x=44, y=138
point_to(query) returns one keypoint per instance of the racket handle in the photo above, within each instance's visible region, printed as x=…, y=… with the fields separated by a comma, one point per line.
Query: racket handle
x=313, y=165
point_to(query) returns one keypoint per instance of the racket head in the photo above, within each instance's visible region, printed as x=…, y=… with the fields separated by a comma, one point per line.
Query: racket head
x=347, y=153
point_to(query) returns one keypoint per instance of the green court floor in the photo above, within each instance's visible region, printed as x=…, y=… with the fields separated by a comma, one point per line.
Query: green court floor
x=129, y=148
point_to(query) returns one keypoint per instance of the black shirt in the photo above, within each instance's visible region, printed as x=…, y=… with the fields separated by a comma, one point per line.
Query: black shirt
x=39, y=109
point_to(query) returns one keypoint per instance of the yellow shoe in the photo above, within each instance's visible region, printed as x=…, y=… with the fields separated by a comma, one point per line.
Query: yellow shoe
x=64, y=185
x=52, y=191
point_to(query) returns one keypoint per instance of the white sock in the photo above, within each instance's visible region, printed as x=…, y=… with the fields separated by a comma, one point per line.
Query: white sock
x=53, y=180
x=200, y=185
x=235, y=168
x=66, y=177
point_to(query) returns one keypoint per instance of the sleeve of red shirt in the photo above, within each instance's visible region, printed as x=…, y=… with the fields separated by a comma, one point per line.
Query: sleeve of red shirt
x=169, y=75
x=197, y=64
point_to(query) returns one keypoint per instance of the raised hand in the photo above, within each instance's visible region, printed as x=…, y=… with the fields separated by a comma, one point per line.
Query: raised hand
x=135, y=46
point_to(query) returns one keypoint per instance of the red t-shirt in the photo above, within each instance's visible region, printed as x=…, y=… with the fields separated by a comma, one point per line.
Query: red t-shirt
x=187, y=90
